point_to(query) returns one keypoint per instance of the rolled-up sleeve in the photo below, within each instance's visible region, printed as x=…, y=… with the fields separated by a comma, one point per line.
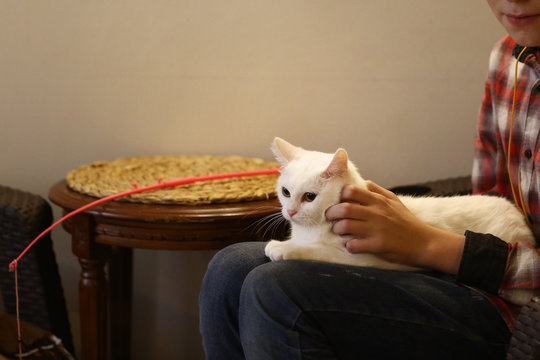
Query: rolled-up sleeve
x=483, y=263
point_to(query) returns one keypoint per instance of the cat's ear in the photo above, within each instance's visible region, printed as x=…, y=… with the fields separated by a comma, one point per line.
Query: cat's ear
x=338, y=166
x=283, y=151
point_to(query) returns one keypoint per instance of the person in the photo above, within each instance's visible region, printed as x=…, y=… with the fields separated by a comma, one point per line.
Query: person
x=463, y=308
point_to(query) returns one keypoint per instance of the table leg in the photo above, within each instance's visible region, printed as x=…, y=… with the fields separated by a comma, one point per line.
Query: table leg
x=92, y=289
x=93, y=309
x=120, y=280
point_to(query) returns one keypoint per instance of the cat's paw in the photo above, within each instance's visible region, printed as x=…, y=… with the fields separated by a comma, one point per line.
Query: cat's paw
x=276, y=250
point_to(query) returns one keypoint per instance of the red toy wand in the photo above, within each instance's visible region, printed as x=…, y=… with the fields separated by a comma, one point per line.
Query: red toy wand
x=136, y=190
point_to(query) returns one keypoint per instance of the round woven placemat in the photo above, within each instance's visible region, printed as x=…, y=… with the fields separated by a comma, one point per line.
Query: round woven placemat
x=105, y=178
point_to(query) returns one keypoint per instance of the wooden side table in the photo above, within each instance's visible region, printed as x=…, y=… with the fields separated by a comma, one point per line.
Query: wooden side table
x=107, y=233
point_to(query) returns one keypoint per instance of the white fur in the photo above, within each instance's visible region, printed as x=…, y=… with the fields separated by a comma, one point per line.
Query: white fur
x=326, y=174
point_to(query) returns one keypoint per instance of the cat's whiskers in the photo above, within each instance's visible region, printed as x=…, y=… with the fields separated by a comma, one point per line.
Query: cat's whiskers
x=270, y=223
x=275, y=226
x=272, y=226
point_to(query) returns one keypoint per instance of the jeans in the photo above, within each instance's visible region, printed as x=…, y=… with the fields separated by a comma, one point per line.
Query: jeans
x=251, y=308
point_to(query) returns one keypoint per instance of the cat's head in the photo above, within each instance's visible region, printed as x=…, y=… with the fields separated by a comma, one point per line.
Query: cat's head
x=310, y=181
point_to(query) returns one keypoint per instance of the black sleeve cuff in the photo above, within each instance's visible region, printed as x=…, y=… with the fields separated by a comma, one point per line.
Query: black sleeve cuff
x=484, y=261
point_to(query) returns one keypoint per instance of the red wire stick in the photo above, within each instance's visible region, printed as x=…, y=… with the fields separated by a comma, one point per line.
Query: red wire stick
x=136, y=190
x=159, y=185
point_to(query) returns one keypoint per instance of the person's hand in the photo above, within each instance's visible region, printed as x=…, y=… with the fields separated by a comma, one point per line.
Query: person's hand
x=379, y=223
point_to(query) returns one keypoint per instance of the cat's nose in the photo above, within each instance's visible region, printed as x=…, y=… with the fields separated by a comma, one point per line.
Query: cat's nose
x=291, y=212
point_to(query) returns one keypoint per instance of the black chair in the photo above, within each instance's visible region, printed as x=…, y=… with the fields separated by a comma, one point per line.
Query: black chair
x=23, y=216
x=525, y=341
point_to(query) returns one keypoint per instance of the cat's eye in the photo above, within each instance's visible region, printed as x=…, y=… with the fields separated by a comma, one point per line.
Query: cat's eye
x=309, y=197
x=285, y=192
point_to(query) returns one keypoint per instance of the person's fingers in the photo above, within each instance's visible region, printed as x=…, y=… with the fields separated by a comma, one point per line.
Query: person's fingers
x=375, y=188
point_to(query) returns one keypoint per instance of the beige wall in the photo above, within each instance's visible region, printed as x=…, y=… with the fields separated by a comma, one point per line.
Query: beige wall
x=397, y=84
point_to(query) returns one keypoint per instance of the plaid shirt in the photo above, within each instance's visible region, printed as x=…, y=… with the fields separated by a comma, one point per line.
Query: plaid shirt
x=490, y=174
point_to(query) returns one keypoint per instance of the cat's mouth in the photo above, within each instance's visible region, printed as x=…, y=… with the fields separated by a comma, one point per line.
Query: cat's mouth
x=303, y=220
x=295, y=220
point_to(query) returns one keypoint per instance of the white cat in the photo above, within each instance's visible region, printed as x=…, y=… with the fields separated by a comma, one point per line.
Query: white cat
x=311, y=182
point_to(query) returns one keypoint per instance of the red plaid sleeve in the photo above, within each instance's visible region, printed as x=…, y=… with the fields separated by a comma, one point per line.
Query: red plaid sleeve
x=485, y=160
x=522, y=276
x=490, y=174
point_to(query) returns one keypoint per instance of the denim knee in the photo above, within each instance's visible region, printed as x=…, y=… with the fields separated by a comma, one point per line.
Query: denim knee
x=267, y=315
x=226, y=273
x=219, y=298
x=265, y=289
x=235, y=261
